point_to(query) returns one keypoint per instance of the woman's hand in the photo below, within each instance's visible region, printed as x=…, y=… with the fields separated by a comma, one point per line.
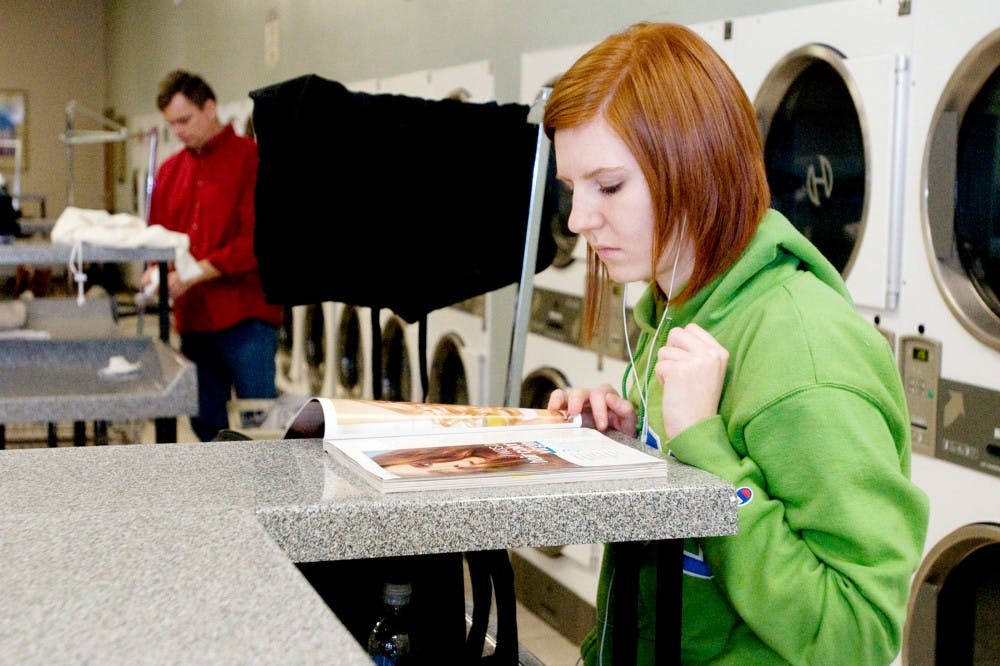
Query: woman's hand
x=602, y=408
x=692, y=369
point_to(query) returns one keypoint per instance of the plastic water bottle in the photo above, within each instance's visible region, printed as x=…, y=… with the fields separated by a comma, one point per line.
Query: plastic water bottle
x=389, y=640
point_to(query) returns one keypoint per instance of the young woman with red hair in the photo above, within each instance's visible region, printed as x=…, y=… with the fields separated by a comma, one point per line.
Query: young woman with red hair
x=752, y=364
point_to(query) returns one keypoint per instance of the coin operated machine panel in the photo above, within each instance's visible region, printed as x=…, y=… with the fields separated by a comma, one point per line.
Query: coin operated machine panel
x=920, y=368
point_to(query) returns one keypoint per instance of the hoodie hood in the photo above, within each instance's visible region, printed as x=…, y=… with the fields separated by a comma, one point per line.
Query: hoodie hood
x=776, y=245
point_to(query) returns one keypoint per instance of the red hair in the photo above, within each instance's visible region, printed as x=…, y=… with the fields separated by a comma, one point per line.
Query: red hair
x=692, y=129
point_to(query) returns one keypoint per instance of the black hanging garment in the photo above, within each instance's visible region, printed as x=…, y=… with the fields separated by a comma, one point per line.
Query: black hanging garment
x=9, y=226
x=389, y=201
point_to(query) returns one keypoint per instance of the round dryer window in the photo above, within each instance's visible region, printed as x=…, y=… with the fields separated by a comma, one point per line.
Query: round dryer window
x=955, y=599
x=448, y=382
x=395, y=362
x=977, y=197
x=539, y=385
x=315, y=345
x=961, y=176
x=815, y=150
x=349, y=353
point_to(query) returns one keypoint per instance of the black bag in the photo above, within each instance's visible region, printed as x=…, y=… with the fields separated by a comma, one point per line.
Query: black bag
x=387, y=200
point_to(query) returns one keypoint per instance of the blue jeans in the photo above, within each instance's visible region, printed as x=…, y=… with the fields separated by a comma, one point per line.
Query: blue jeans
x=240, y=357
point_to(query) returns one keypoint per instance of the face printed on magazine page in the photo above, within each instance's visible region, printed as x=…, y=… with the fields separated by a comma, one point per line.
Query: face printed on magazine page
x=438, y=467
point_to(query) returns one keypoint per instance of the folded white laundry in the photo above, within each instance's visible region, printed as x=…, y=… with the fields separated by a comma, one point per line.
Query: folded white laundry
x=98, y=227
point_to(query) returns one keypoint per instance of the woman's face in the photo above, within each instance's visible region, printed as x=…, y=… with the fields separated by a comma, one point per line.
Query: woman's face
x=440, y=467
x=612, y=206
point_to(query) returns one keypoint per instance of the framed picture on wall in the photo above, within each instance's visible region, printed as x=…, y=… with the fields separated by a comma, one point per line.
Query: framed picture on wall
x=13, y=125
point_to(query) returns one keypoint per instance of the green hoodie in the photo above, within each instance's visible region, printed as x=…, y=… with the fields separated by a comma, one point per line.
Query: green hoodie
x=813, y=432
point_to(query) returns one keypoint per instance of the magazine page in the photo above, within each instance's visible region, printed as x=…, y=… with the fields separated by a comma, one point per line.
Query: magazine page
x=333, y=418
x=492, y=458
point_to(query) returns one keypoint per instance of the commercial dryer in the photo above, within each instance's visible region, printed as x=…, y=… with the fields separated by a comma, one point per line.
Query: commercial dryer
x=456, y=339
x=829, y=83
x=948, y=323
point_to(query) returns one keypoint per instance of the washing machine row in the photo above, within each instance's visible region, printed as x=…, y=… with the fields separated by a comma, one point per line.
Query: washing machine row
x=330, y=348
x=322, y=351
x=829, y=86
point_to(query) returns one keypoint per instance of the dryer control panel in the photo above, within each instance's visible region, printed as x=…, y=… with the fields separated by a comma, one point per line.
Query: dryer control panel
x=556, y=315
x=920, y=368
x=969, y=426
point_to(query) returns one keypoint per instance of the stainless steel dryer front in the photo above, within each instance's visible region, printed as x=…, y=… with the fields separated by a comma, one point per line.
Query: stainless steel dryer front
x=829, y=83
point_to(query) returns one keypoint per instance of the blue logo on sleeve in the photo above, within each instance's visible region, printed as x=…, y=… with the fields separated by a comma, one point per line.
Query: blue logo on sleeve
x=743, y=496
x=695, y=565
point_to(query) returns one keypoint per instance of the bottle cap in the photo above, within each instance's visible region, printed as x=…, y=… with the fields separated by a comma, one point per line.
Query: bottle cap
x=396, y=594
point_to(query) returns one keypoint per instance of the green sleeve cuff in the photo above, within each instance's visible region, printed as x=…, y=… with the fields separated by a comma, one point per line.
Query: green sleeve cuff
x=706, y=446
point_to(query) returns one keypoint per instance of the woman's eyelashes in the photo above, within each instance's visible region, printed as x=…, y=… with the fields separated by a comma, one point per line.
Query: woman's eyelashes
x=608, y=189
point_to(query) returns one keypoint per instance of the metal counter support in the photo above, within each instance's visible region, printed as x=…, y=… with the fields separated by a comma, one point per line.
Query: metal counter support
x=625, y=596
x=166, y=428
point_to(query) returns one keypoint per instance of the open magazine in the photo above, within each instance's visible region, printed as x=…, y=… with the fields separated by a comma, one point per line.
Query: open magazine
x=398, y=446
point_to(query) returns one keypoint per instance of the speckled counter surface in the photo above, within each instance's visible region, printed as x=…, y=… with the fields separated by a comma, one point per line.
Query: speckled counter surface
x=54, y=380
x=183, y=552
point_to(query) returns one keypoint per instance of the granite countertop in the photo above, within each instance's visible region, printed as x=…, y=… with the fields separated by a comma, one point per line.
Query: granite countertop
x=184, y=552
x=40, y=252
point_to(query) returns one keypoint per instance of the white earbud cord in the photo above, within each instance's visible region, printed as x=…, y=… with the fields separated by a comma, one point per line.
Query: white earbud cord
x=607, y=610
x=644, y=389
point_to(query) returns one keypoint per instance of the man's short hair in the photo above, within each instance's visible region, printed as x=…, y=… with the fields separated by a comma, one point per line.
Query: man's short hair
x=190, y=85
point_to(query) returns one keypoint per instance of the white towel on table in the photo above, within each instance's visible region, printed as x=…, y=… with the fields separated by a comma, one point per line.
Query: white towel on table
x=98, y=227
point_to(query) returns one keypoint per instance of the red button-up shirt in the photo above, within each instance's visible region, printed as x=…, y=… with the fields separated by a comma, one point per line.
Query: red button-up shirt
x=208, y=194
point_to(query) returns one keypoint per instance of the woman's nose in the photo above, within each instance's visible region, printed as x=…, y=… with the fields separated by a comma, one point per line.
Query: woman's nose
x=582, y=218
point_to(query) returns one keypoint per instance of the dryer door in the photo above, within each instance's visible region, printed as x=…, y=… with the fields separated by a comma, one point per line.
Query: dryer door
x=961, y=172
x=448, y=380
x=955, y=600
x=833, y=127
x=539, y=384
x=350, y=357
x=395, y=362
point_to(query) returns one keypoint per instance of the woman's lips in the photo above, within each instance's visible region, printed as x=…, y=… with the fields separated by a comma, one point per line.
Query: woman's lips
x=605, y=252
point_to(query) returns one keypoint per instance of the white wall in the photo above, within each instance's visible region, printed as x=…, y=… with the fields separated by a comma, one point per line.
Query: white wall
x=224, y=40
x=56, y=51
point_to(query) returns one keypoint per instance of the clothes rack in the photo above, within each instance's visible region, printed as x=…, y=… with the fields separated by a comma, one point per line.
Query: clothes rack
x=522, y=306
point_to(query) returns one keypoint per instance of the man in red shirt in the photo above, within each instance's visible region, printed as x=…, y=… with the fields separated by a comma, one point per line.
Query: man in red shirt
x=207, y=192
